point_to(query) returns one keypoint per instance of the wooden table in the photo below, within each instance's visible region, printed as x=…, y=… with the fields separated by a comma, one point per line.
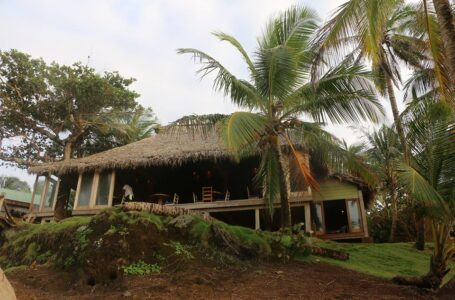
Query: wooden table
x=161, y=198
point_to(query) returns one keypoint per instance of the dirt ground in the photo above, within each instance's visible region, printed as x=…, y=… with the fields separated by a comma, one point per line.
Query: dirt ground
x=293, y=281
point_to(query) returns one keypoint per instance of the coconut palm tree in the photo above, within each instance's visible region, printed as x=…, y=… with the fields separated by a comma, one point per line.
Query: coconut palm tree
x=279, y=91
x=383, y=153
x=446, y=23
x=429, y=178
x=378, y=32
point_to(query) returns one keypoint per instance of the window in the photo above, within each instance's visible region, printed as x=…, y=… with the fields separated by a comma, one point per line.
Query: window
x=104, y=183
x=354, y=215
x=39, y=189
x=85, y=190
x=317, y=219
x=50, y=193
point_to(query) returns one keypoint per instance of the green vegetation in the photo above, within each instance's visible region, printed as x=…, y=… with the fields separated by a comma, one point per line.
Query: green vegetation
x=139, y=243
x=141, y=268
x=383, y=260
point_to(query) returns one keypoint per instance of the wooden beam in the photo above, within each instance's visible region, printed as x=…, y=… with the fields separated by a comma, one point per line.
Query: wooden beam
x=44, y=193
x=94, y=192
x=78, y=191
x=364, y=214
x=32, y=201
x=307, y=208
x=257, y=220
x=111, y=189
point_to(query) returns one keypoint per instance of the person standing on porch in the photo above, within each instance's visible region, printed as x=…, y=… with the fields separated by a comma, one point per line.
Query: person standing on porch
x=128, y=194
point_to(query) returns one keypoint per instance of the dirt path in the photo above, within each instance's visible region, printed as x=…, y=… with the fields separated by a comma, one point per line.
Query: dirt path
x=294, y=281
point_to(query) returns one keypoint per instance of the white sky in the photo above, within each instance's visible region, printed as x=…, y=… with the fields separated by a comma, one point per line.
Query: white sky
x=139, y=39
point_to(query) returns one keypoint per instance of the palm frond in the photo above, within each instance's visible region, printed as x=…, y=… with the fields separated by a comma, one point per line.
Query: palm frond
x=240, y=91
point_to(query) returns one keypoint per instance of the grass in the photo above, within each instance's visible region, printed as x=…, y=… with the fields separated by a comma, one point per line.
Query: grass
x=382, y=260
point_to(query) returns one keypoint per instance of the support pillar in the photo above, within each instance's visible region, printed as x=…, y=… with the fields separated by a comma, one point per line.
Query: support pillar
x=307, y=217
x=257, y=220
x=364, y=214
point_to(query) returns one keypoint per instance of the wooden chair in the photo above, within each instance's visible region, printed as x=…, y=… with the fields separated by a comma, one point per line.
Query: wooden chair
x=207, y=194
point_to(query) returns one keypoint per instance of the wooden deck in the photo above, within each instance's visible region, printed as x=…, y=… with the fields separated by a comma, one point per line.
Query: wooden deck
x=242, y=204
x=296, y=200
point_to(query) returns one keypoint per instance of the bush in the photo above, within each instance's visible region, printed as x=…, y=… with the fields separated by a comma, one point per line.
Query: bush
x=141, y=268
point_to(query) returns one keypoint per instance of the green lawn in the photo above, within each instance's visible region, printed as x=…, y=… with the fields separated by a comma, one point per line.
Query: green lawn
x=382, y=260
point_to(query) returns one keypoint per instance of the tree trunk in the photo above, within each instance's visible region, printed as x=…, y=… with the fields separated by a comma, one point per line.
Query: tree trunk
x=393, y=228
x=445, y=20
x=420, y=239
x=284, y=188
x=67, y=150
x=396, y=116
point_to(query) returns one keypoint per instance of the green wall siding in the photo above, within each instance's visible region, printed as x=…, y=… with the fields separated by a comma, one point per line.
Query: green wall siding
x=333, y=190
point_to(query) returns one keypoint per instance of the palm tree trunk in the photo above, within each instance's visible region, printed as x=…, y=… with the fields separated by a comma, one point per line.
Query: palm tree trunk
x=393, y=228
x=445, y=20
x=284, y=187
x=396, y=116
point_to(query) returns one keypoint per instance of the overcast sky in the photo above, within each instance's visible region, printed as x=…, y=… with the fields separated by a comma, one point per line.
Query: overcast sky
x=139, y=39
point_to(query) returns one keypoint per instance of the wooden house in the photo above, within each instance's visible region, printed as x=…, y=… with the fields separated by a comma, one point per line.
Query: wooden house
x=196, y=172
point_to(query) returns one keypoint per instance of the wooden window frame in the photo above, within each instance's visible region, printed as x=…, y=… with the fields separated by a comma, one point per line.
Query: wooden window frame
x=349, y=215
x=41, y=207
x=322, y=217
x=94, y=190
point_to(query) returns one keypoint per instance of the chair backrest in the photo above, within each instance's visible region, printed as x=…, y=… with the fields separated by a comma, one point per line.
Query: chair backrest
x=227, y=196
x=207, y=194
x=175, y=200
x=194, y=198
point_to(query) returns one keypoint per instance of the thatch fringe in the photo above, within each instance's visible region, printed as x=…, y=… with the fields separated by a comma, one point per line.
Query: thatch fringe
x=158, y=150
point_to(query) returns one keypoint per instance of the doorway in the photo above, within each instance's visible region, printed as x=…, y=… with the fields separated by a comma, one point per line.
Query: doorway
x=336, y=217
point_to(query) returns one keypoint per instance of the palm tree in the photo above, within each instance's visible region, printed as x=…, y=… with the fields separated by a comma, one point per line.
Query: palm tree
x=380, y=32
x=446, y=23
x=280, y=90
x=383, y=153
x=429, y=179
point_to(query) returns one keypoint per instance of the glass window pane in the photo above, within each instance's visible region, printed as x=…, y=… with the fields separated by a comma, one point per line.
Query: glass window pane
x=353, y=206
x=102, y=195
x=39, y=188
x=316, y=217
x=86, y=190
x=49, y=197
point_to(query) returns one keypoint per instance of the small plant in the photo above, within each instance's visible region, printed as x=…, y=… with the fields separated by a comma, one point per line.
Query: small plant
x=141, y=268
x=180, y=249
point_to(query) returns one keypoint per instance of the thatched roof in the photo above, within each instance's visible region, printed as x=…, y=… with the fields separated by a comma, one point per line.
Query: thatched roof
x=160, y=149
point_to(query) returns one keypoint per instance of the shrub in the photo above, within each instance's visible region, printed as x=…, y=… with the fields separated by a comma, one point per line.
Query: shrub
x=141, y=268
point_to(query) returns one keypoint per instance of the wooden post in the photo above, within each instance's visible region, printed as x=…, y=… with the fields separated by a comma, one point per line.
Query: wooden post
x=111, y=189
x=257, y=220
x=307, y=217
x=56, y=194
x=78, y=191
x=364, y=214
x=32, y=201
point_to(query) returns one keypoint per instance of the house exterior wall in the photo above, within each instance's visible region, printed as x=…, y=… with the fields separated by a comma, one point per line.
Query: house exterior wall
x=333, y=190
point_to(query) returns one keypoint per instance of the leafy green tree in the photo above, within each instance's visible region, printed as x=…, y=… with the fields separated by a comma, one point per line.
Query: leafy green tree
x=429, y=178
x=280, y=90
x=383, y=153
x=47, y=110
x=131, y=126
x=14, y=183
